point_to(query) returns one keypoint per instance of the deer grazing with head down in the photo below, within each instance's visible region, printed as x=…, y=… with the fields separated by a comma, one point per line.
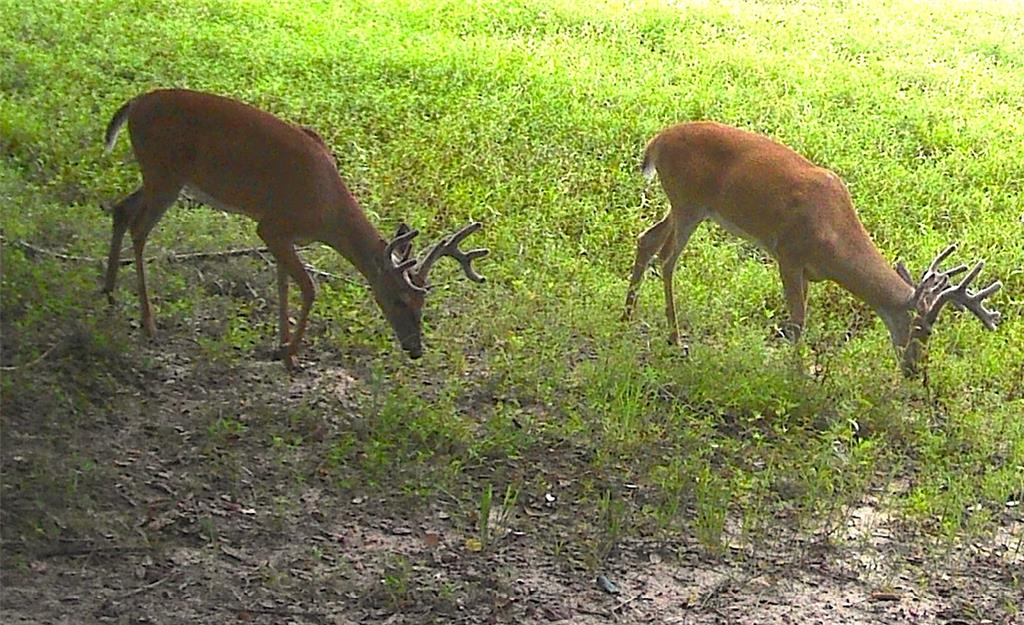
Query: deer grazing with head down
x=802, y=215
x=239, y=159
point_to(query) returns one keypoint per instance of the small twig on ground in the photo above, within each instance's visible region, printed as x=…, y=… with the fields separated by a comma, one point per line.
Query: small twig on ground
x=182, y=257
x=25, y=245
x=34, y=361
x=583, y=610
x=174, y=258
x=316, y=616
x=187, y=256
x=142, y=589
x=125, y=496
x=625, y=603
x=89, y=550
x=884, y=595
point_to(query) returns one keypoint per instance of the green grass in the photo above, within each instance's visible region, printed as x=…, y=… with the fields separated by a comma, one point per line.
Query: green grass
x=531, y=117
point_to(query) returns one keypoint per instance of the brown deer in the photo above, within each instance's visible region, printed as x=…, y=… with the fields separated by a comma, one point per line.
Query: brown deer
x=802, y=215
x=239, y=159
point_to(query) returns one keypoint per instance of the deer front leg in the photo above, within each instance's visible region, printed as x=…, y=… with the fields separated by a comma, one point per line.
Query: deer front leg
x=289, y=265
x=794, y=287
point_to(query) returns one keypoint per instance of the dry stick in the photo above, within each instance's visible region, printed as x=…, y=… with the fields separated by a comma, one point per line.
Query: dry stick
x=89, y=550
x=184, y=257
x=34, y=362
x=583, y=610
x=625, y=603
x=45, y=252
x=316, y=616
x=142, y=589
x=245, y=251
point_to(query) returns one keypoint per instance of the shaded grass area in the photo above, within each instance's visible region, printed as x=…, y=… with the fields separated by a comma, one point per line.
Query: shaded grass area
x=531, y=117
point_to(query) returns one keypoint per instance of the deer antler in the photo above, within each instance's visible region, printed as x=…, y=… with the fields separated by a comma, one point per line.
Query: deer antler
x=400, y=238
x=932, y=279
x=449, y=246
x=403, y=267
x=935, y=285
x=960, y=295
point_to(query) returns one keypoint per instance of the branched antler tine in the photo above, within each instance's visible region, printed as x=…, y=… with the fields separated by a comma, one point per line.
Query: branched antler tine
x=405, y=265
x=932, y=268
x=454, y=240
x=400, y=239
x=927, y=283
x=958, y=293
x=422, y=267
x=989, y=290
x=944, y=278
x=409, y=281
x=955, y=271
x=466, y=260
x=449, y=246
x=969, y=278
x=436, y=251
x=931, y=279
x=989, y=318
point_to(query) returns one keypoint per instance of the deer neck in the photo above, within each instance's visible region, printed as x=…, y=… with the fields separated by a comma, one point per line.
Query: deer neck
x=876, y=283
x=351, y=234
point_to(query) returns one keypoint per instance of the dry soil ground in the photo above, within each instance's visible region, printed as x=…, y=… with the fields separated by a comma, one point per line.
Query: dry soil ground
x=136, y=510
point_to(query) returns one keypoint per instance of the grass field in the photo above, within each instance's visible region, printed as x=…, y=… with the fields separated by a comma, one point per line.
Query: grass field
x=531, y=117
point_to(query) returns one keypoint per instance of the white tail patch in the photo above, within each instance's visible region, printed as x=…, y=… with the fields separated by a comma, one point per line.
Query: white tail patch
x=114, y=127
x=108, y=145
x=649, y=169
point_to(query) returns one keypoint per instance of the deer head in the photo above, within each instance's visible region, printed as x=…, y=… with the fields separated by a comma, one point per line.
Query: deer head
x=931, y=293
x=402, y=304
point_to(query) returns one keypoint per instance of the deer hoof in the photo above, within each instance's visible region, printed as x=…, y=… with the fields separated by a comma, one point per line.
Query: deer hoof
x=789, y=332
x=675, y=341
x=290, y=360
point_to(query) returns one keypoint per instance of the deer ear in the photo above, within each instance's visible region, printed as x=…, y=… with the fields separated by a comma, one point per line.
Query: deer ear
x=403, y=251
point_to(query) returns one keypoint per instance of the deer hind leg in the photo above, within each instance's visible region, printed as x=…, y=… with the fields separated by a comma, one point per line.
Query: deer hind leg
x=284, y=326
x=123, y=214
x=288, y=265
x=154, y=203
x=648, y=243
x=684, y=225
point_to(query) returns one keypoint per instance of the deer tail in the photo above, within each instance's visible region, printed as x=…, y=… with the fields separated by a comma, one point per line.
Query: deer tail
x=114, y=127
